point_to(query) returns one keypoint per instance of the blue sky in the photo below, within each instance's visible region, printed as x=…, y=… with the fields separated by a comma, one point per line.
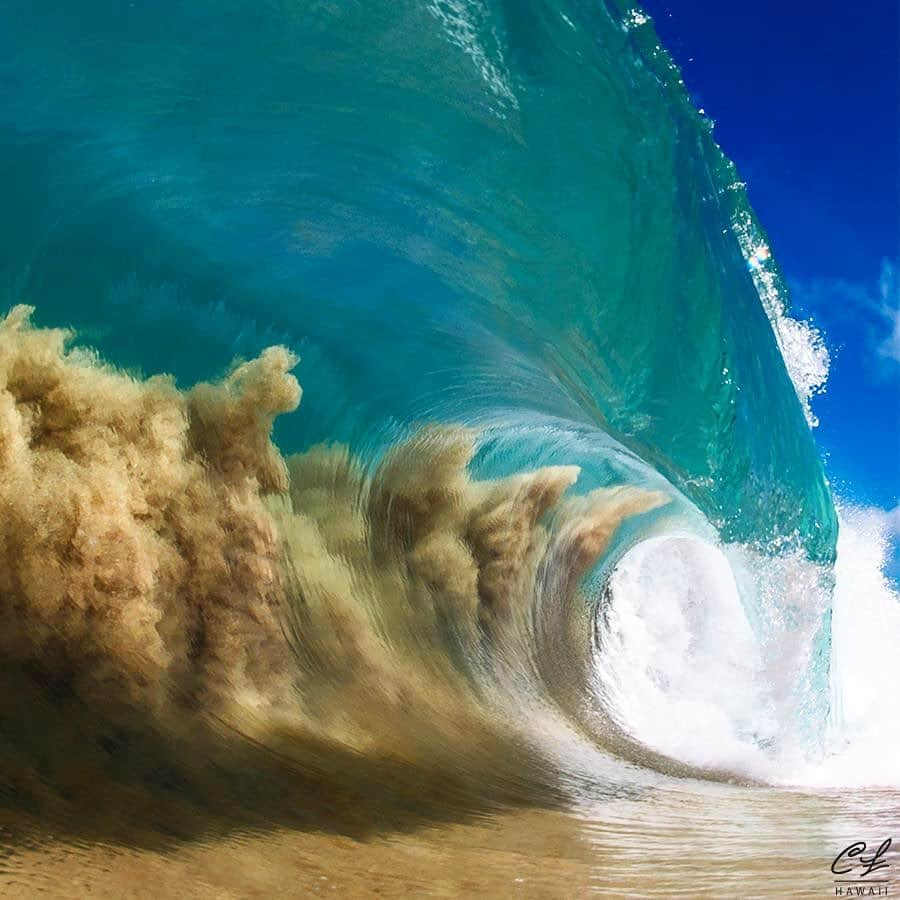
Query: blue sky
x=806, y=102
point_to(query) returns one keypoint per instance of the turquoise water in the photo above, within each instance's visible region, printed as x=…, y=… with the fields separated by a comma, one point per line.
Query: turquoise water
x=506, y=214
x=503, y=219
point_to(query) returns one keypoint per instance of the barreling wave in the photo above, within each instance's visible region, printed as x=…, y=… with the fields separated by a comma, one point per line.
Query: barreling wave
x=551, y=503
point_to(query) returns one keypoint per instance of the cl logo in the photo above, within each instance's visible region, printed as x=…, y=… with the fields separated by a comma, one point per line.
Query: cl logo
x=852, y=858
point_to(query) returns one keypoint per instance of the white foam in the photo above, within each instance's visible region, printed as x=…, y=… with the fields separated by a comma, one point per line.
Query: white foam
x=865, y=663
x=678, y=666
x=707, y=654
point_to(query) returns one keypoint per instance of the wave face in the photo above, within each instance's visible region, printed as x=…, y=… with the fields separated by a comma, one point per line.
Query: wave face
x=452, y=210
x=554, y=432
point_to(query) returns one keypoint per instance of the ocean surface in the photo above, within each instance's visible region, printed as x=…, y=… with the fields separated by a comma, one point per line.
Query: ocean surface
x=408, y=480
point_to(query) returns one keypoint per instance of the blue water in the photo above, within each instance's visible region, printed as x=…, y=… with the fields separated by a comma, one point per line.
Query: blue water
x=498, y=213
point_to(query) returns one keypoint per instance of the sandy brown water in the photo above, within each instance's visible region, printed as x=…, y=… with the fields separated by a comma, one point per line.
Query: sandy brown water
x=688, y=839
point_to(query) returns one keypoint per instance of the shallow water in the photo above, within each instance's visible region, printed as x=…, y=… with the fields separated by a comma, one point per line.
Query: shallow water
x=682, y=841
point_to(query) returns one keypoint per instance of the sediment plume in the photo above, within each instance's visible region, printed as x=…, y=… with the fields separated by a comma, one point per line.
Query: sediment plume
x=137, y=559
x=159, y=555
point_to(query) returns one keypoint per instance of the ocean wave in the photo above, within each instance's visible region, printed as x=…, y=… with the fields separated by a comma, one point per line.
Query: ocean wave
x=550, y=514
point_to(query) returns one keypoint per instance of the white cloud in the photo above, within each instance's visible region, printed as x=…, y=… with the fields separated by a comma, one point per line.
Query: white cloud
x=890, y=310
x=891, y=519
x=871, y=534
x=877, y=523
x=873, y=306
